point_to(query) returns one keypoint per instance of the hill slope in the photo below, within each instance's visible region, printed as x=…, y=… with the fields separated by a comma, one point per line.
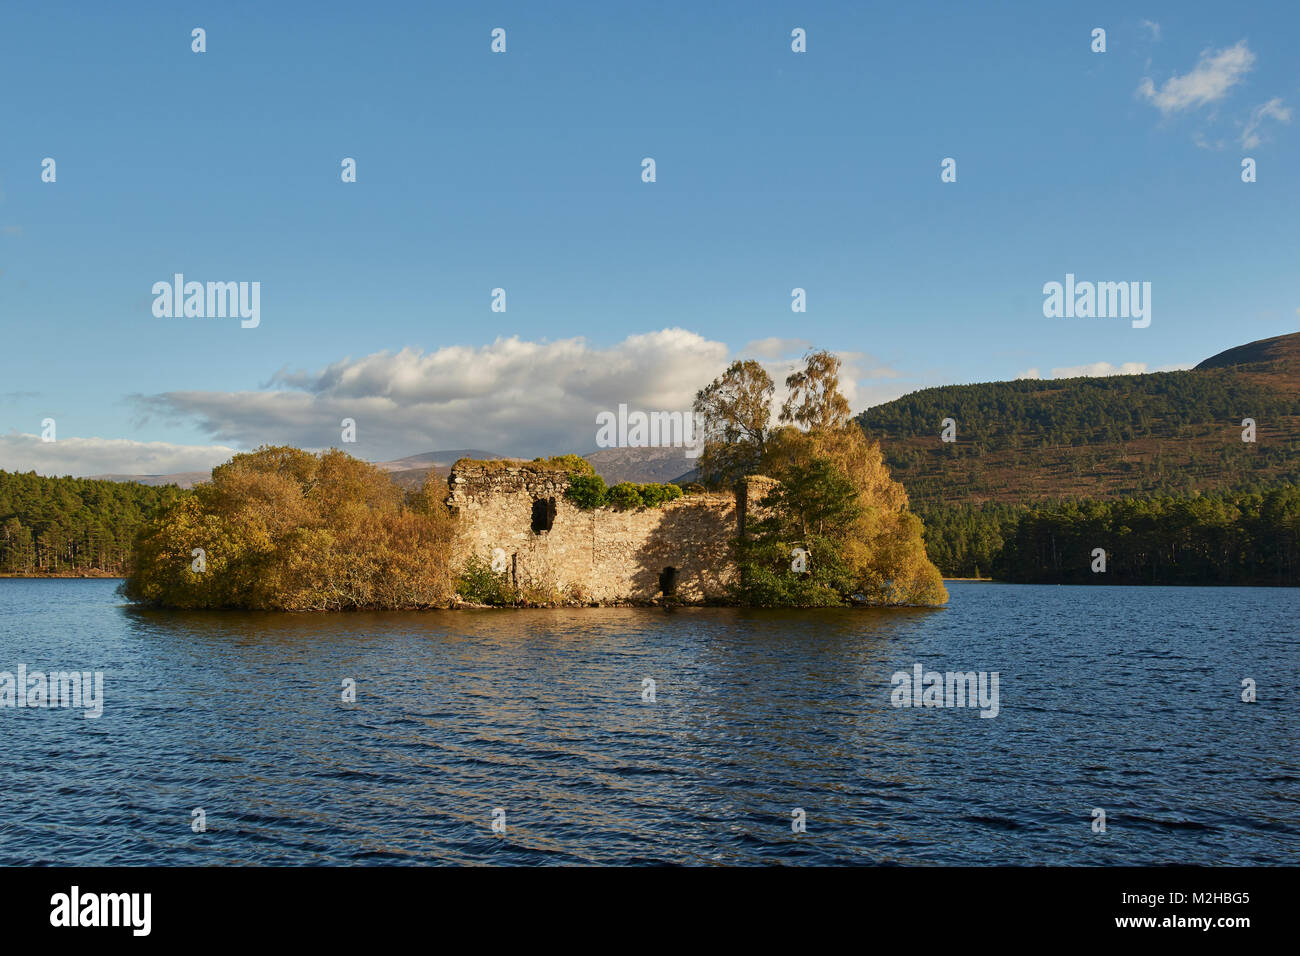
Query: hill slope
x=1273, y=362
x=1164, y=432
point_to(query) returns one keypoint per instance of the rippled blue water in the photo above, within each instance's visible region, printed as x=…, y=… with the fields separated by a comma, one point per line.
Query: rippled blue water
x=1125, y=699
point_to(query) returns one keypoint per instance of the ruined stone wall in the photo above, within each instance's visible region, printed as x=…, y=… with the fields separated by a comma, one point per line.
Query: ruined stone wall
x=604, y=555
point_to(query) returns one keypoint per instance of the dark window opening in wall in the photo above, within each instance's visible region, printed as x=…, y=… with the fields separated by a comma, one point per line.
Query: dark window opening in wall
x=543, y=514
x=668, y=581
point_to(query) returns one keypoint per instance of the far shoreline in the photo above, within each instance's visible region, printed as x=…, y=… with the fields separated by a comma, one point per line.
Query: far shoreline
x=88, y=575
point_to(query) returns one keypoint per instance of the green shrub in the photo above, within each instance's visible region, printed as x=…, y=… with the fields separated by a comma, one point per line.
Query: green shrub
x=654, y=494
x=479, y=584
x=587, y=491
x=625, y=494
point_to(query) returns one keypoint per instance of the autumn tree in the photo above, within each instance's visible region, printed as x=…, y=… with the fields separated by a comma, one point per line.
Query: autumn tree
x=736, y=410
x=814, y=401
x=793, y=553
x=870, y=546
x=283, y=529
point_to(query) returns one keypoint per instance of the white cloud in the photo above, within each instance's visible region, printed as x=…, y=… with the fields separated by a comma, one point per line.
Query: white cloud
x=99, y=456
x=1214, y=75
x=864, y=366
x=1029, y=373
x=1273, y=109
x=775, y=348
x=512, y=397
x=1153, y=27
x=1097, y=369
x=1100, y=368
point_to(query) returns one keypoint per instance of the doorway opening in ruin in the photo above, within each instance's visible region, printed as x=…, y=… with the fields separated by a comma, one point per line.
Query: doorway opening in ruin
x=543, y=514
x=668, y=581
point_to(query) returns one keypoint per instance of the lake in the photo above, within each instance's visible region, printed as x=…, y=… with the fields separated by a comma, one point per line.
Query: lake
x=1125, y=700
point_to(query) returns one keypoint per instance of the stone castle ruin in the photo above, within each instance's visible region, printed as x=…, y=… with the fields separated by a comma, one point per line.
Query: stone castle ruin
x=516, y=513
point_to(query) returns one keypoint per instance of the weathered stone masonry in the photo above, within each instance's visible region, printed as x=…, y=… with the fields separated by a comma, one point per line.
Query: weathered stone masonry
x=603, y=555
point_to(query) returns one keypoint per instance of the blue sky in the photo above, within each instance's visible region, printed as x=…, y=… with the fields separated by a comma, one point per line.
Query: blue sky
x=522, y=171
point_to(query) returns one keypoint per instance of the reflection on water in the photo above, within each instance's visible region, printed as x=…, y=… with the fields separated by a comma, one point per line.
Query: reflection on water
x=1124, y=699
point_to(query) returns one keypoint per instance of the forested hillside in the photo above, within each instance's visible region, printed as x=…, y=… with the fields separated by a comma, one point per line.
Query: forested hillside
x=1154, y=463
x=71, y=525
x=1124, y=435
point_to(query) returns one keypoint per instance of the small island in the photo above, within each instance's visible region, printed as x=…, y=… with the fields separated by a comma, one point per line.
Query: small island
x=800, y=514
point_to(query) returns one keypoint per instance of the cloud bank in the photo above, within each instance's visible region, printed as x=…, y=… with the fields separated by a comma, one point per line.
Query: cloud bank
x=81, y=457
x=512, y=396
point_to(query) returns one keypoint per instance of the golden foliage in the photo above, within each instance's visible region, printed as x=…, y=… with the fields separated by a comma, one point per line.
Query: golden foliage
x=736, y=408
x=884, y=548
x=815, y=402
x=284, y=529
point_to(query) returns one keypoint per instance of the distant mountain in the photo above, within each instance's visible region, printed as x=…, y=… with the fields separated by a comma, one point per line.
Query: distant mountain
x=642, y=464
x=612, y=464
x=435, y=459
x=1163, y=432
x=413, y=471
